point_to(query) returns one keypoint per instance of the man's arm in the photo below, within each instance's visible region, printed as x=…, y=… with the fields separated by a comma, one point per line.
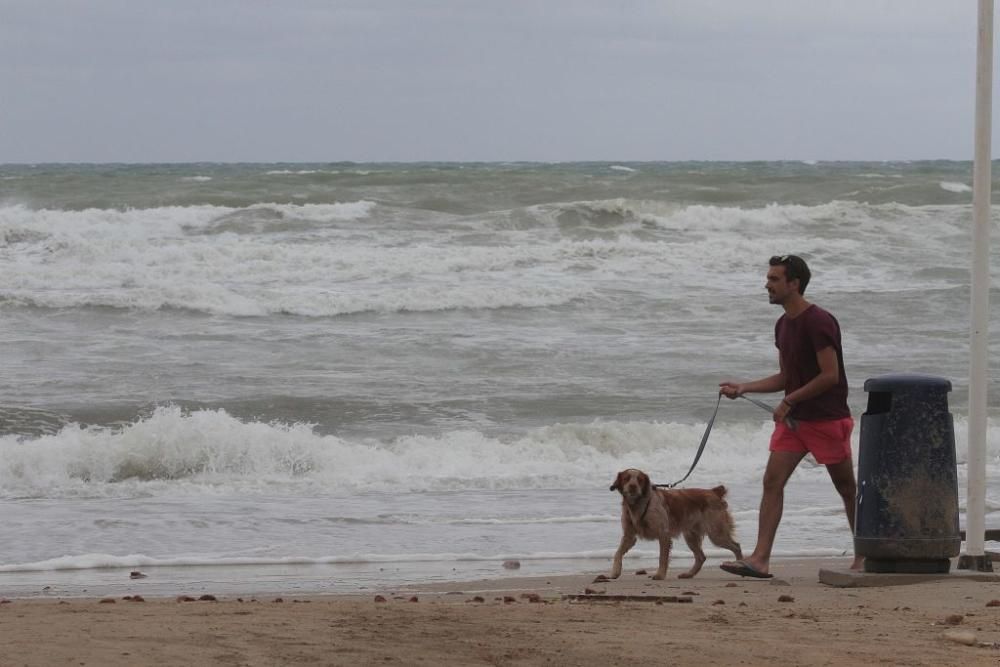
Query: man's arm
x=829, y=376
x=766, y=385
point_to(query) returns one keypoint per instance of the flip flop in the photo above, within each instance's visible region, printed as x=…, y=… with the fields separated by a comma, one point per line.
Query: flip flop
x=745, y=570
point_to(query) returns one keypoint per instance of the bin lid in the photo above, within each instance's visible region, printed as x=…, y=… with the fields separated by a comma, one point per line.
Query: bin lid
x=898, y=381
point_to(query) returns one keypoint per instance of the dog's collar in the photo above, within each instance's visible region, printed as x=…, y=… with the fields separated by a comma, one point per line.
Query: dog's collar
x=649, y=499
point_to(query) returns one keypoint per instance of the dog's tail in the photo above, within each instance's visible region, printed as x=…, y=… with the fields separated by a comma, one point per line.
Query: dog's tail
x=720, y=491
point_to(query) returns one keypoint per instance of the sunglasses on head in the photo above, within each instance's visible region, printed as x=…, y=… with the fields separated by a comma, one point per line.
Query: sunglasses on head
x=780, y=259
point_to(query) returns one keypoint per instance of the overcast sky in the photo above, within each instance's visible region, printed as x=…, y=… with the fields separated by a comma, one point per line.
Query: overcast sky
x=550, y=80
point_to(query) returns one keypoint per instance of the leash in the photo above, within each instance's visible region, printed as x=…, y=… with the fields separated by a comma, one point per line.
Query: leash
x=792, y=424
x=701, y=447
x=708, y=429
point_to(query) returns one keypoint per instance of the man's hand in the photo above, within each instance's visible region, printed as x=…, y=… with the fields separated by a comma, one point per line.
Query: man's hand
x=730, y=389
x=781, y=413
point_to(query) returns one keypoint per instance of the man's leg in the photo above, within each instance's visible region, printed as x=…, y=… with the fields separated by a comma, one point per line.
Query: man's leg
x=842, y=475
x=780, y=466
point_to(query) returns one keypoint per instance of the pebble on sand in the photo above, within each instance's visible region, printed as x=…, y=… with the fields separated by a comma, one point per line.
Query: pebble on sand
x=961, y=637
x=512, y=564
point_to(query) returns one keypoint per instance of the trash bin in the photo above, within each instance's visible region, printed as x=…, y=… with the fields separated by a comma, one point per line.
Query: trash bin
x=907, y=505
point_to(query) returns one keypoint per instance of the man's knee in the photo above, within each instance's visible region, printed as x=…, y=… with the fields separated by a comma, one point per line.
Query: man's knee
x=842, y=475
x=774, y=483
x=846, y=487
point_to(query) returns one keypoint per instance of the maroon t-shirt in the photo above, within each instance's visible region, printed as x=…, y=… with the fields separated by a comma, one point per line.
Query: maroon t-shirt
x=798, y=340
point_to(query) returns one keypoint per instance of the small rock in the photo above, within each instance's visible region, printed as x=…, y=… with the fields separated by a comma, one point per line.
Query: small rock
x=507, y=599
x=511, y=564
x=107, y=601
x=279, y=599
x=719, y=602
x=532, y=597
x=953, y=619
x=690, y=593
x=993, y=603
x=185, y=598
x=478, y=598
x=743, y=604
x=961, y=637
x=786, y=598
x=136, y=574
x=731, y=585
x=379, y=598
x=414, y=599
x=138, y=598
x=4, y=601
x=207, y=598
x=640, y=572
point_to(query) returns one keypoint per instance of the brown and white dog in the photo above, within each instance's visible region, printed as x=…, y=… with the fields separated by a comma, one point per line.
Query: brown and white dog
x=661, y=514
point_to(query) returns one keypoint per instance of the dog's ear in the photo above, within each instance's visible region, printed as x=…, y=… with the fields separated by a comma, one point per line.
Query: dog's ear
x=617, y=485
x=644, y=481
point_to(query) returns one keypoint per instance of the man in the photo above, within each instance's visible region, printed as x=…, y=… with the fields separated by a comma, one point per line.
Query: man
x=813, y=416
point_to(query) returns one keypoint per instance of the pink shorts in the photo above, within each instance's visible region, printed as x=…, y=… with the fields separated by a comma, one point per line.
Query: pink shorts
x=828, y=441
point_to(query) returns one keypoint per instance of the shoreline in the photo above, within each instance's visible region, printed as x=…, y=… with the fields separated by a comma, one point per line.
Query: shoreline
x=528, y=620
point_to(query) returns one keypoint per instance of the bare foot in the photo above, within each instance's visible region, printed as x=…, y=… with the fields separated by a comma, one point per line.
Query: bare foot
x=859, y=563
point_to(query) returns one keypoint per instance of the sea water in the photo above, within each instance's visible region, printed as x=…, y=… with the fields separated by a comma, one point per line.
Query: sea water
x=345, y=377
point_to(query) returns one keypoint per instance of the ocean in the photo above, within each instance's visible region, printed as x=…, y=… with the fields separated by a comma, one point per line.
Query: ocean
x=344, y=377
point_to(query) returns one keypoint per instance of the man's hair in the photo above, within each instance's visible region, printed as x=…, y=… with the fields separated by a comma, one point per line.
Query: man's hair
x=795, y=269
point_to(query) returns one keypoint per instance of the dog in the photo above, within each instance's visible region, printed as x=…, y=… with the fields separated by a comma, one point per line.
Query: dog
x=661, y=514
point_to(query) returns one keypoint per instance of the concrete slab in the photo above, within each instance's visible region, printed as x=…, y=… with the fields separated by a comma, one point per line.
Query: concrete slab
x=856, y=579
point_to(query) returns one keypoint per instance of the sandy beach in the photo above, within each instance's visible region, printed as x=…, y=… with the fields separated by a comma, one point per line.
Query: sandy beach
x=716, y=618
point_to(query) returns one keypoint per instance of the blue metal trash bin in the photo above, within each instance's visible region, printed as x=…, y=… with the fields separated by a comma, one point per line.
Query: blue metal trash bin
x=906, y=516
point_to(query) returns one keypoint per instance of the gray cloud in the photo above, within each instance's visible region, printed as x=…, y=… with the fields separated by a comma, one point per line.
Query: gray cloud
x=405, y=80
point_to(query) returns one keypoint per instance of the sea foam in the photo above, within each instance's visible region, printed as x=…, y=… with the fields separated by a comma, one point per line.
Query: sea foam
x=174, y=451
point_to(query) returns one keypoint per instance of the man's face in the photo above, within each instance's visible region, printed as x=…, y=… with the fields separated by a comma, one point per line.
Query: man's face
x=779, y=288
